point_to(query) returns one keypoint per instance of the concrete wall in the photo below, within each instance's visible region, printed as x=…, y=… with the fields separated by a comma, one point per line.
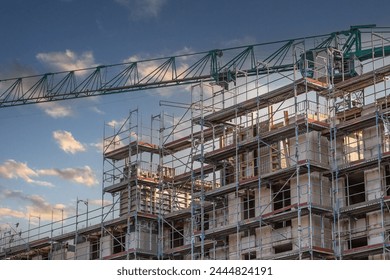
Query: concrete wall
x=218, y=218
x=263, y=205
x=314, y=188
x=59, y=254
x=370, y=142
x=373, y=183
x=340, y=153
x=339, y=184
x=376, y=233
x=187, y=233
x=141, y=240
x=220, y=253
x=317, y=232
x=265, y=160
x=233, y=240
x=106, y=246
x=167, y=238
x=234, y=208
x=264, y=240
x=83, y=251
x=147, y=200
x=248, y=242
x=311, y=146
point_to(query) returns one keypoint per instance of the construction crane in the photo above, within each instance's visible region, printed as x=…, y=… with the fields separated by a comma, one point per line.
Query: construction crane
x=345, y=49
x=345, y=59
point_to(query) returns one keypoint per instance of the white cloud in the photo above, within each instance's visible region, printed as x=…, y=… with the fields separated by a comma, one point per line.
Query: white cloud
x=146, y=68
x=12, y=169
x=36, y=206
x=67, y=60
x=142, y=9
x=98, y=146
x=83, y=175
x=133, y=136
x=181, y=126
x=98, y=202
x=56, y=110
x=7, y=212
x=112, y=143
x=67, y=142
x=115, y=141
x=97, y=110
x=116, y=124
x=15, y=70
x=183, y=52
x=45, y=210
x=166, y=92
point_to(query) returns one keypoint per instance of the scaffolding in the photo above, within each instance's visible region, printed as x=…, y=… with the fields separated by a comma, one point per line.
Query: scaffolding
x=283, y=165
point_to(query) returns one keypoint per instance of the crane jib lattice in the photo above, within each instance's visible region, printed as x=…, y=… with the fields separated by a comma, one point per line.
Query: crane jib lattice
x=222, y=66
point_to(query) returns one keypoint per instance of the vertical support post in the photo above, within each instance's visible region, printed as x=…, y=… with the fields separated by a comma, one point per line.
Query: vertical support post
x=202, y=213
x=193, y=182
x=297, y=155
x=237, y=182
x=160, y=216
x=76, y=230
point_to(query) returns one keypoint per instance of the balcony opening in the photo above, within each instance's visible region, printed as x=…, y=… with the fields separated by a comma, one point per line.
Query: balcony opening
x=282, y=224
x=249, y=256
x=206, y=221
x=248, y=205
x=281, y=195
x=177, y=236
x=95, y=249
x=255, y=162
x=119, y=242
x=357, y=242
x=249, y=232
x=281, y=199
x=354, y=184
x=283, y=248
x=353, y=147
x=387, y=180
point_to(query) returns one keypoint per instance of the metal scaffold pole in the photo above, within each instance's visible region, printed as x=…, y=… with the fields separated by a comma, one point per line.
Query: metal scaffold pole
x=160, y=218
x=193, y=182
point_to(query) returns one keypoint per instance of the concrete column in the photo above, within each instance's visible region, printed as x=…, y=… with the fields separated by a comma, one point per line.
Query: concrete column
x=106, y=246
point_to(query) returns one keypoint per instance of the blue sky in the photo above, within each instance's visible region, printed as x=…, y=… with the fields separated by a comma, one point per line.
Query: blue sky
x=49, y=154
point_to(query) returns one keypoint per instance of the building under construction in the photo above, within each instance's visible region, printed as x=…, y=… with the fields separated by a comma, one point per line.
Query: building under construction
x=283, y=157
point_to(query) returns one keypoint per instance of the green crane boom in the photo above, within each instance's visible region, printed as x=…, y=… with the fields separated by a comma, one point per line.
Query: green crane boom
x=222, y=66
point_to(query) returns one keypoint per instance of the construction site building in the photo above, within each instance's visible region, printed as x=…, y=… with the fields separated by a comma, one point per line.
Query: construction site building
x=283, y=165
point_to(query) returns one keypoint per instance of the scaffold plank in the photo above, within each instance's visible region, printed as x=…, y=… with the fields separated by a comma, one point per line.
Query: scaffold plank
x=131, y=149
x=359, y=82
x=186, y=142
x=363, y=207
x=364, y=251
x=282, y=93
